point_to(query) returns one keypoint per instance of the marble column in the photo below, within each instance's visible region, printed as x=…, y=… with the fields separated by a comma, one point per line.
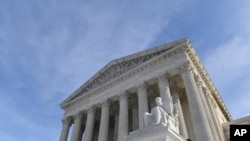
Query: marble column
x=165, y=94
x=208, y=113
x=199, y=122
x=89, y=129
x=135, y=117
x=123, y=117
x=77, y=127
x=104, y=125
x=116, y=126
x=178, y=110
x=142, y=103
x=65, y=130
x=217, y=124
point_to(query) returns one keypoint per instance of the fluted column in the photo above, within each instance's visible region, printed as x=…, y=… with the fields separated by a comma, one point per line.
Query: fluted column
x=123, y=117
x=104, y=125
x=88, y=134
x=218, y=126
x=142, y=103
x=178, y=110
x=199, y=122
x=65, y=129
x=77, y=127
x=208, y=112
x=165, y=94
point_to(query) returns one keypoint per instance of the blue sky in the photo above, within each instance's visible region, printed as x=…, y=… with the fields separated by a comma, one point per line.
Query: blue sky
x=48, y=48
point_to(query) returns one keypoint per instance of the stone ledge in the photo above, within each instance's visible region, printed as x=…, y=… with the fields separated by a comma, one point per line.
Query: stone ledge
x=157, y=132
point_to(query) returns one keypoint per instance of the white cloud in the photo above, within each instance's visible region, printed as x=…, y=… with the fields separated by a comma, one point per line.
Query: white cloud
x=50, y=48
x=229, y=59
x=229, y=67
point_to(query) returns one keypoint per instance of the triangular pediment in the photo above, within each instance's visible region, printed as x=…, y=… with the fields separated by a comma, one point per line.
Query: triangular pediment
x=118, y=67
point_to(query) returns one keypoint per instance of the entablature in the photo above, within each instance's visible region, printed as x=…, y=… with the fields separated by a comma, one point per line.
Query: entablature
x=123, y=65
x=167, y=62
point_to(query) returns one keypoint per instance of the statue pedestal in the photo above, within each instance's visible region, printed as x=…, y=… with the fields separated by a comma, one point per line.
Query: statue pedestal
x=155, y=132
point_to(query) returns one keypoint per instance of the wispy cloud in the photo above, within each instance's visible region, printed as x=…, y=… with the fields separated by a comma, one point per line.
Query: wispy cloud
x=49, y=48
x=229, y=66
x=228, y=62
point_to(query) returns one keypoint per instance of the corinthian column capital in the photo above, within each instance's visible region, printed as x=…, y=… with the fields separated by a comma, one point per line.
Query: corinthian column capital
x=124, y=95
x=78, y=116
x=106, y=103
x=142, y=86
x=163, y=77
x=91, y=109
x=186, y=68
x=66, y=121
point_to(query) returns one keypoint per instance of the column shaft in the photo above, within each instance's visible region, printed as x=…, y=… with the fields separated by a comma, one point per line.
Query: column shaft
x=88, y=134
x=165, y=94
x=178, y=108
x=123, y=117
x=65, y=129
x=77, y=127
x=215, y=118
x=104, y=125
x=199, y=121
x=208, y=113
x=143, y=104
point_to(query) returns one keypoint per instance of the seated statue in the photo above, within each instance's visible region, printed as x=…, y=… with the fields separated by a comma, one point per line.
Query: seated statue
x=157, y=115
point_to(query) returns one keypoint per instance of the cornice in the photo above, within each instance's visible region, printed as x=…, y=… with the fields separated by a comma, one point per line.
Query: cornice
x=122, y=65
x=205, y=77
x=127, y=75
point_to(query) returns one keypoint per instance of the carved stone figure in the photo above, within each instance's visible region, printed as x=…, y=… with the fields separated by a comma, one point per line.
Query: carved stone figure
x=157, y=115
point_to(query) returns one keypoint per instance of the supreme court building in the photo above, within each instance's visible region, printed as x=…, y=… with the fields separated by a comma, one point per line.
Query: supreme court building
x=160, y=94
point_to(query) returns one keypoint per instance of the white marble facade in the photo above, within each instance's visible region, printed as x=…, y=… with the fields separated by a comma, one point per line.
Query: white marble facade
x=118, y=103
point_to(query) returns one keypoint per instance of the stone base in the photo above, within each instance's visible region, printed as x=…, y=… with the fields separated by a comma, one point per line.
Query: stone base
x=157, y=132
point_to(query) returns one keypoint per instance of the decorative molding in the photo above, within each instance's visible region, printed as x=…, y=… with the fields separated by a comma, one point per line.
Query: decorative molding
x=116, y=70
x=155, y=64
x=208, y=82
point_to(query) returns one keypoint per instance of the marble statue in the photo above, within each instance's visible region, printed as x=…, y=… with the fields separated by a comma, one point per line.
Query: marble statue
x=158, y=114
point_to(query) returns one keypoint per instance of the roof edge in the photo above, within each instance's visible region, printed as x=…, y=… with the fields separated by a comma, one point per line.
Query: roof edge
x=125, y=58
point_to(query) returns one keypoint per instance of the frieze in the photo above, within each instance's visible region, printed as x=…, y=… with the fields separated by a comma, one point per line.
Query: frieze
x=117, y=70
x=142, y=70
